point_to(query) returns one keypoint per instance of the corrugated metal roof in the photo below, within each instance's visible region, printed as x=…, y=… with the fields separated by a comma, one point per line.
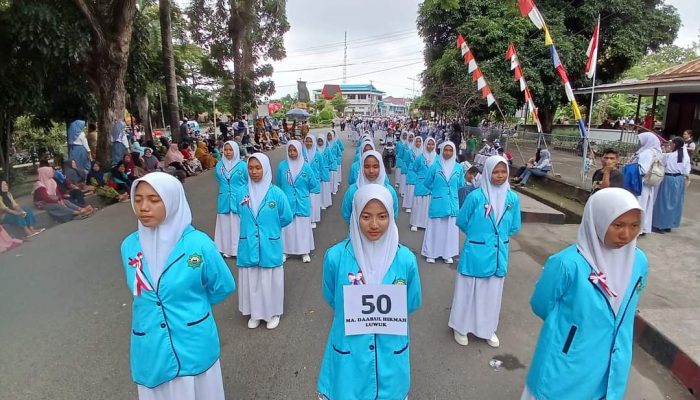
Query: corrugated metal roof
x=359, y=88
x=689, y=69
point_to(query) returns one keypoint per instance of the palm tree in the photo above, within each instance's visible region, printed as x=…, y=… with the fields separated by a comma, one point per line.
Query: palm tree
x=166, y=34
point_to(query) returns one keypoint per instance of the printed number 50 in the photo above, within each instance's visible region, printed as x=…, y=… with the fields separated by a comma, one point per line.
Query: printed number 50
x=383, y=304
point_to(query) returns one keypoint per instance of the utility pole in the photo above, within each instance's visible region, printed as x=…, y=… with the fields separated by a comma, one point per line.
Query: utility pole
x=413, y=90
x=345, y=59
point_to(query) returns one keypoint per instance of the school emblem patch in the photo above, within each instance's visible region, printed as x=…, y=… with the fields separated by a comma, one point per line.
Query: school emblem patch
x=640, y=287
x=194, y=261
x=399, y=281
x=239, y=172
x=272, y=204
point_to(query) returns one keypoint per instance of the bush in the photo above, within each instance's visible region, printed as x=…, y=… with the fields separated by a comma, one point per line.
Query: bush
x=313, y=119
x=325, y=115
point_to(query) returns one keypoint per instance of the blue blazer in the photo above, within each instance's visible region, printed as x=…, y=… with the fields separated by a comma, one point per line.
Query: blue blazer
x=354, y=171
x=400, y=149
x=420, y=169
x=350, y=194
x=225, y=202
x=330, y=160
x=408, y=160
x=173, y=332
x=485, y=251
x=444, y=201
x=298, y=192
x=582, y=340
x=318, y=165
x=365, y=366
x=260, y=240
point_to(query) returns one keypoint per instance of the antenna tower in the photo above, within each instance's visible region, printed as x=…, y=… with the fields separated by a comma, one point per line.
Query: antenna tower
x=345, y=59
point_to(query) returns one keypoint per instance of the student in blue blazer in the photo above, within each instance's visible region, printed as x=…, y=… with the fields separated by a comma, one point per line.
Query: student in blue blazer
x=297, y=181
x=175, y=274
x=231, y=174
x=315, y=161
x=355, y=167
x=415, y=150
x=489, y=216
x=326, y=176
x=405, y=160
x=264, y=210
x=421, y=198
x=443, y=180
x=400, y=148
x=369, y=365
x=335, y=157
x=587, y=297
x=339, y=150
x=372, y=172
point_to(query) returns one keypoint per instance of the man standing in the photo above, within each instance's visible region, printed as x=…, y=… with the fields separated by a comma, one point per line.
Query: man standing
x=472, y=142
x=184, y=131
x=689, y=142
x=609, y=175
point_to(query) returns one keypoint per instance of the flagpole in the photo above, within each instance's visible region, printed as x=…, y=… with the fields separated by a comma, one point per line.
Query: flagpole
x=590, y=108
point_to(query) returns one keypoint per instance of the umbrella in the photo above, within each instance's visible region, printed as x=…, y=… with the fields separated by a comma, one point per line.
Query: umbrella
x=297, y=113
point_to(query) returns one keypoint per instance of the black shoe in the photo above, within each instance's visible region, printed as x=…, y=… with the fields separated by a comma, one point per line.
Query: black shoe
x=657, y=230
x=667, y=230
x=642, y=234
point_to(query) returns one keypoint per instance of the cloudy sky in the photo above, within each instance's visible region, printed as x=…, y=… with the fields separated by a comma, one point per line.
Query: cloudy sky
x=383, y=43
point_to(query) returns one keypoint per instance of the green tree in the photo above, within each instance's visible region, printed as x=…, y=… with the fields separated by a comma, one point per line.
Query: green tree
x=489, y=25
x=339, y=103
x=664, y=57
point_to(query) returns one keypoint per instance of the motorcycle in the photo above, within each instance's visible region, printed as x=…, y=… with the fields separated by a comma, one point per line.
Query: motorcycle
x=389, y=155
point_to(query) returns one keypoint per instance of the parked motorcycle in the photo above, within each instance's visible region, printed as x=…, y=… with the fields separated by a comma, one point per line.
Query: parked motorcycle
x=389, y=155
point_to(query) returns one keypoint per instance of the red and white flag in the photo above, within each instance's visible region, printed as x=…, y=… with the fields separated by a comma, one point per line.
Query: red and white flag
x=592, y=52
x=528, y=7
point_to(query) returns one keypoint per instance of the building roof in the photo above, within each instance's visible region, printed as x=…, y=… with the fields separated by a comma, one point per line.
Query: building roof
x=684, y=78
x=329, y=91
x=395, y=100
x=359, y=88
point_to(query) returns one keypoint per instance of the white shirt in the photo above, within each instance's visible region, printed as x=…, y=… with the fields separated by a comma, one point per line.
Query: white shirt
x=81, y=140
x=672, y=166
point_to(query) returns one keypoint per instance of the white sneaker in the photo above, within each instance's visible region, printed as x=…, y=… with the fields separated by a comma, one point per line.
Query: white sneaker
x=253, y=323
x=313, y=225
x=430, y=260
x=334, y=193
x=493, y=342
x=414, y=229
x=408, y=210
x=284, y=258
x=306, y=258
x=449, y=261
x=274, y=322
x=226, y=255
x=323, y=208
x=461, y=340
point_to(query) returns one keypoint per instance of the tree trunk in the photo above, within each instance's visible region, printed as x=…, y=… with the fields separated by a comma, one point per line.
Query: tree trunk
x=166, y=35
x=5, y=141
x=547, y=118
x=108, y=87
x=236, y=29
x=145, y=115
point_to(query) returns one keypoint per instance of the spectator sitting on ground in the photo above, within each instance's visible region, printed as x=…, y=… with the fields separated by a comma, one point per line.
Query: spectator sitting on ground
x=609, y=175
x=163, y=148
x=531, y=162
x=133, y=166
x=120, y=179
x=13, y=214
x=67, y=190
x=204, y=156
x=243, y=152
x=150, y=161
x=97, y=180
x=174, y=158
x=7, y=242
x=192, y=163
x=507, y=155
x=77, y=176
x=540, y=169
x=46, y=197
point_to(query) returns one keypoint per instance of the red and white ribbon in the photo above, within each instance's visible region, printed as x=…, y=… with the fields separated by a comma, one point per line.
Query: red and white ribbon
x=600, y=279
x=246, y=200
x=140, y=282
x=356, y=279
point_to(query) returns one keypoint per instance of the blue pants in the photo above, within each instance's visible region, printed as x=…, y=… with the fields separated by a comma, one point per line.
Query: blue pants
x=529, y=172
x=16, y=220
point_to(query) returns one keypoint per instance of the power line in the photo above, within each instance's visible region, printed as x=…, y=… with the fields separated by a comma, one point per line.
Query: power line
x=343, y=65
x=337, y=48
x=358, y=75
x=367, y=39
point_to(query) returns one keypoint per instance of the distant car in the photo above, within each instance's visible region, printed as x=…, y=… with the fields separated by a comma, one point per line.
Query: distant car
x=194, y=126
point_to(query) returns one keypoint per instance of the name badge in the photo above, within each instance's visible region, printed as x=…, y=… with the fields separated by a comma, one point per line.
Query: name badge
x=372, y=309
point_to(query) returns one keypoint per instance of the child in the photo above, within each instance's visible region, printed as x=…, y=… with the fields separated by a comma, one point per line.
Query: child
x=264, y=210
x=315, y=160
x=443, y=180
x=421, y=199
x=231, y=174
x=587, y=297
x=488, y=217
x=367, y=365
x=297, y=181
x=170, y=265
x=372, y=172
x=326, y=175
x=471, y=179
x=411, y=177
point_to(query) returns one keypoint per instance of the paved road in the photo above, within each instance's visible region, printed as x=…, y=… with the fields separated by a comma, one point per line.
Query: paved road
x=65, y=315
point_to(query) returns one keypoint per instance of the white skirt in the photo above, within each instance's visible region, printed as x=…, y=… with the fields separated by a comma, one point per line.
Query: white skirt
x=326, y=199
x=298, y=237
x=315, y=207
x=419, y=211
x=408, y=199
x=480, y=159
x=228, y=229
x=527, y=395
x=206, y=386
x=340, y=171
x=261, y=292
x=646, y=201
x=402, y=184
x=335, y=180
x=476, y=305
x=441, y=238
x=397, y=175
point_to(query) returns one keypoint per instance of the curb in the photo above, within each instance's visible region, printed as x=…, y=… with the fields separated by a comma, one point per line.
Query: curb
x=683, y=368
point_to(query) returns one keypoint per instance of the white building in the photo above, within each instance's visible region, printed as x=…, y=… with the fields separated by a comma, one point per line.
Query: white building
x=362, y=99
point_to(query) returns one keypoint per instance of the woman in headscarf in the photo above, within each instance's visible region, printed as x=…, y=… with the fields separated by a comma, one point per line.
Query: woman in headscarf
x=339, y=150
x=264, y=210
x=333, y=160
x=315, y=160
x=120, y=142
x=405, y=157
x=587, y=297
x=191, y=162
x=371, y=255
x=170, y=265
x=327, y=175
x=443, y=180
x=137, y=148
x=232, y=175
x=97, y=180
x=47, y=198
x=120, y=179
x=12, y=213
x=488, y=217
x=79, y=149
x=174, y=158
x=66, y=188
x=668, y=207
x=150, y=161
x=543, y=166
x=649, y=151
x=365, y=146
x=204, y=156
x=415, y=150
x=298, y=182
x=421, y=200
x=372, y=172
x=401, y=147
x=77, y=175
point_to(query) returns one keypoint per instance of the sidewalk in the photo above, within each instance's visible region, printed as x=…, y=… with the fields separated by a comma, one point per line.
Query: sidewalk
x=668, y=322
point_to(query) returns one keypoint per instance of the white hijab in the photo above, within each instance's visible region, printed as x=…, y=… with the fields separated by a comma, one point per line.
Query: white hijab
x=448, y=165
x=362, y=180
x=258, y=190
x=365, y=143
x=602, y=208
x=157, y=243
x=429, y=155
x=295, y=166
x=322, y=147
x=495, y=194
x=650, y=147
x=373, y=257
x=309, y=154
x=417, y=149
x=229, y=164
x=332, y=141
